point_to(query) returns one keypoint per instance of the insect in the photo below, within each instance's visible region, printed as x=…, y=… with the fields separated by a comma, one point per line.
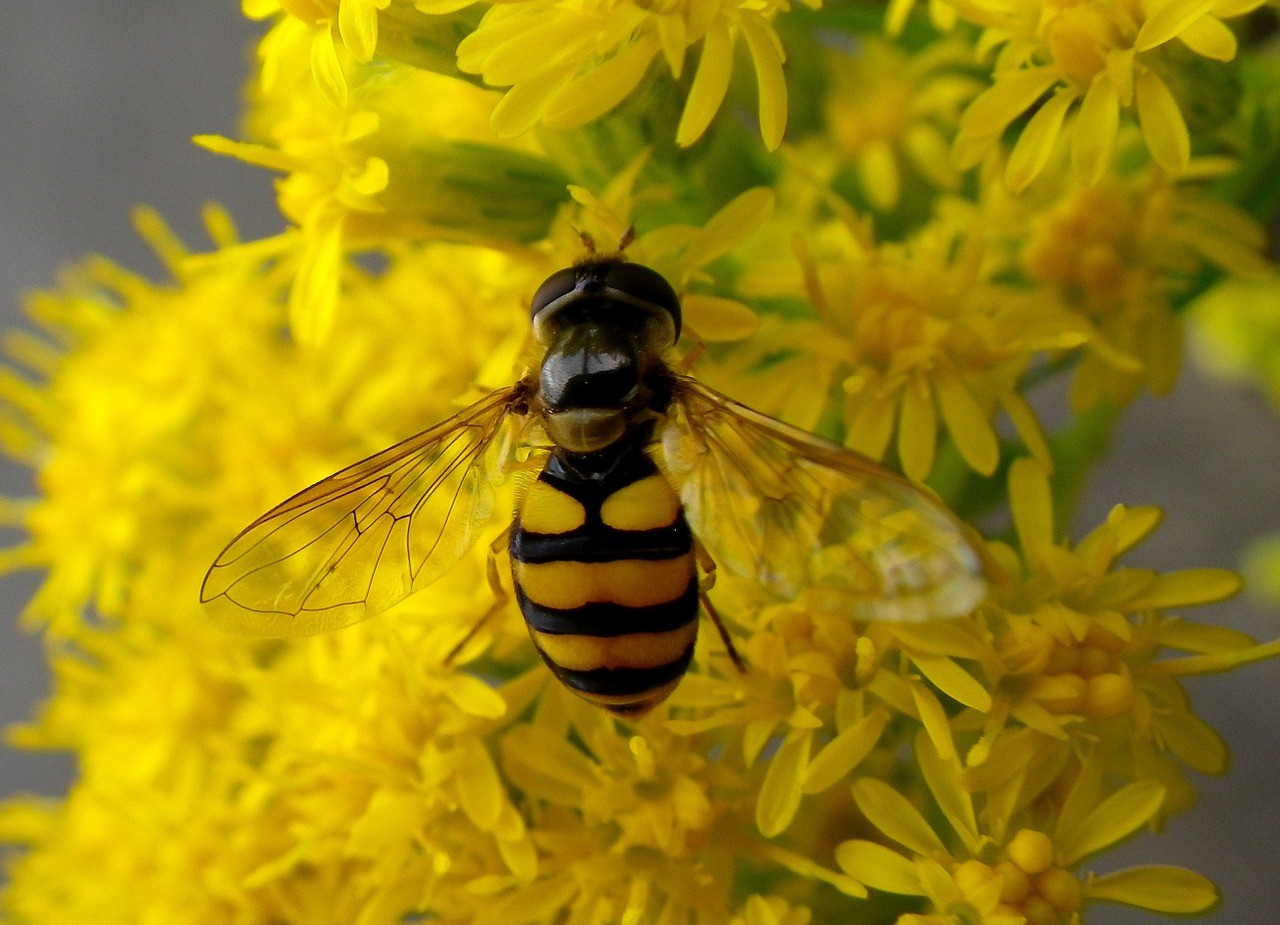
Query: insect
x=649, y=480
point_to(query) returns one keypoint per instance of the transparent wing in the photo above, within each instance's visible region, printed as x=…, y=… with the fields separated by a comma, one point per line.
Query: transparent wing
x=798, y=513
x=367, y=537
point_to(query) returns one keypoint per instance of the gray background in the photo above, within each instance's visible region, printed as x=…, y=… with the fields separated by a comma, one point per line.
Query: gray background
x=97, y=106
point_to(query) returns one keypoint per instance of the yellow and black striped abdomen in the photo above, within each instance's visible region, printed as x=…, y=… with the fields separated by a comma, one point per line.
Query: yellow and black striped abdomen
x=604, y=573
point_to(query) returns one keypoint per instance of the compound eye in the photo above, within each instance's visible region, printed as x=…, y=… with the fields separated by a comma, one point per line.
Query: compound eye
x=643, y=283
x=557, y=285
x=646, y=285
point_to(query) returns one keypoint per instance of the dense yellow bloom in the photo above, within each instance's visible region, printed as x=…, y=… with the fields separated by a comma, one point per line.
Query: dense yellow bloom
x=910, y=340
x=972, y=770
x=987, y=866
x=401, y=156
x=1080, y=65
x=1080, y=643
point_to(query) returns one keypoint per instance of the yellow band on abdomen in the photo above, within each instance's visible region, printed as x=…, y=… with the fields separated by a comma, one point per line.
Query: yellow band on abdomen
x=647, y=504
x=629, y=582
x=635, y=650
x=548, y=510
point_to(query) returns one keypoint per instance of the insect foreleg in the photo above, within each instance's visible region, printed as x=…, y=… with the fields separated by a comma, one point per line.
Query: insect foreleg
x=500, y=595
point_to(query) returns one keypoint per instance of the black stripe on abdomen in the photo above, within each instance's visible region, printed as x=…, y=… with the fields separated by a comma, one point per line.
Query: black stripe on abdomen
x=609, y=619
x=594, y=543
x=622, y=682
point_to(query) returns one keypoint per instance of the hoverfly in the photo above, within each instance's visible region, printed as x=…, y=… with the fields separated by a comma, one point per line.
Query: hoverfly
x=648, y=481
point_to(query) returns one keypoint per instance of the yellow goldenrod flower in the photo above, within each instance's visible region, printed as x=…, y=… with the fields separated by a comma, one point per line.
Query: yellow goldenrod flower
x=406, y=155
x=1080, y=66
x=1080, y=643
x=601, y=51
x=912, y=340
x=892, y=115
x=1120, y=253
x=334, y=27
x=996, y=863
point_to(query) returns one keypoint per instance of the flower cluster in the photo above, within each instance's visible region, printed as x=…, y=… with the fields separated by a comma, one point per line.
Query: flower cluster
x=886, y=236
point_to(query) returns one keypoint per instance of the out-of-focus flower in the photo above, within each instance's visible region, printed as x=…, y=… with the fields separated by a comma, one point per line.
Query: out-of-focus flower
x=892, y=115
x=603, y=50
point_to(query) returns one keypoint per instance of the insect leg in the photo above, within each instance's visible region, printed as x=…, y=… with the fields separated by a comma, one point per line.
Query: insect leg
x=500, y=595
x=738, y=661
x=694, y=355
x=705, y=584
x=708, y=566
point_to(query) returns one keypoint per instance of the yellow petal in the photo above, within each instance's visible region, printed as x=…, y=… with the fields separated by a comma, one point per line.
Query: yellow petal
x=1171, y=890
x=358, y=26
x=879, y=867
x=1116, y=817
x=1228, y=9
x=895, y=816
x=594, y=92
x=1162, y=123
x=710, y=83
x=1190, y=587
x=258, y=155
x=672, y=36
x=715, y=319
x=1097, y=124
x=933, y=717
x=767, y=56
x=990, y=113
x=843, y=753
x=954, y=681
x=780, y=791
x=1028, y=427
x=1210, y=36
x=522, y=106
x=969, y=426
x=480, y=791
x=895, y=16
x=1032, y=503
x=878, y=174
x=1167, y=19
x=918, y=429
x=535, y=902
x=731, y=225
x=1194, y=741
x=1219, y=661
x=313, y=298
x=870, y=427
x=927, y=149
x=473, y=696
x=943, y=777
x=1132, y=525
x=327, y=69
x=1036, y=142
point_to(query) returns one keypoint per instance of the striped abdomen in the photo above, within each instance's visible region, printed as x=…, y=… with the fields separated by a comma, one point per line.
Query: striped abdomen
x=604, y=572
